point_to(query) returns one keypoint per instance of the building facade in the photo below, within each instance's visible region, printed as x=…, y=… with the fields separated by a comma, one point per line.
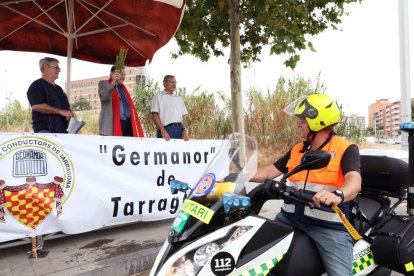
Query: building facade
x=88, y=88
x=387, y=121
x=374, y=108
x=358, y=121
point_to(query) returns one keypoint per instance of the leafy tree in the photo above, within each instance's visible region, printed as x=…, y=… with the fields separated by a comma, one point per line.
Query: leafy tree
x=370, y=131
x=206, y=118
x=81, y=104
x=351, y=131
x=247, y=26
x=142, y=100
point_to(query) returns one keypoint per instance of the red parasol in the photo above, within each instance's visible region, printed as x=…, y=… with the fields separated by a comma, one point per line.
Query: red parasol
x=90, y=30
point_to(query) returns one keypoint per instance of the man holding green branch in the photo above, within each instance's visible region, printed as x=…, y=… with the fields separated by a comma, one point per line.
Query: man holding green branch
x=118, y=116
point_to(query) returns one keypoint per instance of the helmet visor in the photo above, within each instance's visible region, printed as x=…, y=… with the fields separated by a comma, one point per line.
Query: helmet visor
x=291, y=108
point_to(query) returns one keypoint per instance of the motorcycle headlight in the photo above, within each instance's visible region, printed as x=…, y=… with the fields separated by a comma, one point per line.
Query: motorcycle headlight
x=184, y=267
x=204, y=253
x=239, y=232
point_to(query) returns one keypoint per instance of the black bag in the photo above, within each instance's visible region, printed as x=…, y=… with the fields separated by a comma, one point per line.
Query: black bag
x=384, y=175
x=393, y=245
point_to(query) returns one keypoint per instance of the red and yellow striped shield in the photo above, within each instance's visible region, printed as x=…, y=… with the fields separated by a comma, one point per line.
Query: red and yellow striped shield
x=29, y=204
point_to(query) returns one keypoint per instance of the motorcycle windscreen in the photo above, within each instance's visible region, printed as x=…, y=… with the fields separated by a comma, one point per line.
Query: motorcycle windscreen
x=230, y=170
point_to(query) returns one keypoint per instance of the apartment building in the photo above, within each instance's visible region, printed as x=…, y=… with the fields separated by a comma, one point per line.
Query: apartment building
x=358, y=121
x=88, y=88
x=374, y=108
x=387, y=121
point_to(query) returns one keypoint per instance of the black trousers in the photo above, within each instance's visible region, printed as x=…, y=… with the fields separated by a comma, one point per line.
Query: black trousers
x=126, y=127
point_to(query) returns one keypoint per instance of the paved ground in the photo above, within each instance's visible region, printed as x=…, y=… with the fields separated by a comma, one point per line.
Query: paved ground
x=123, y=250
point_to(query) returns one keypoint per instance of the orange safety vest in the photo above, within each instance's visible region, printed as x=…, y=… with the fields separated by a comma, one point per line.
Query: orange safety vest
x=330, y=175
x=329, y=178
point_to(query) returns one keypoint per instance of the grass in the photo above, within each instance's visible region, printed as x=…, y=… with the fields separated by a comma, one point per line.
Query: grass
x=92, y=121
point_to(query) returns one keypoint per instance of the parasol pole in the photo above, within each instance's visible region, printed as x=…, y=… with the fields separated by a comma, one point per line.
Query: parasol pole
x=68, y=66
x=70, y=45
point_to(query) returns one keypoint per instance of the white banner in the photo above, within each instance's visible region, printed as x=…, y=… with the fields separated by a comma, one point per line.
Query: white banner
x=78, y=183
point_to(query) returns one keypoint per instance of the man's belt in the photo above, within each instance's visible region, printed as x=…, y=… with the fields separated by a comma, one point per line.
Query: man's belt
x=174, y=124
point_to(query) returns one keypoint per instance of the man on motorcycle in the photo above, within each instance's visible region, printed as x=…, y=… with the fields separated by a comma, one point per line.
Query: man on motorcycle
x=338, y=183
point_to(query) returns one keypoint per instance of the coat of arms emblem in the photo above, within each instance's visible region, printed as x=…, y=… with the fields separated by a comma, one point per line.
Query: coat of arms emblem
x=32, y=200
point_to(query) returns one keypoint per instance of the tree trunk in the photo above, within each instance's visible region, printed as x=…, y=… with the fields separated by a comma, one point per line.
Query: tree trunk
x=235, y=68
x=235, y=76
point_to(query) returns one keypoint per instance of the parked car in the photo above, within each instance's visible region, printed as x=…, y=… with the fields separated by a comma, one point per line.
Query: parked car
x=390, y=142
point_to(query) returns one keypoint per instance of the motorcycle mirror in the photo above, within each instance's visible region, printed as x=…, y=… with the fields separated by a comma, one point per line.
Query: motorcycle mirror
x=312, y=160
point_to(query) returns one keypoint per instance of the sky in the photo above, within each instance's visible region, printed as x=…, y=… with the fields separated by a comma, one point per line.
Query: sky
x=358, y=64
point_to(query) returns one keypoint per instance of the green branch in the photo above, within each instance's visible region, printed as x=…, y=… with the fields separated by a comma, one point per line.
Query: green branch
x=120, y=59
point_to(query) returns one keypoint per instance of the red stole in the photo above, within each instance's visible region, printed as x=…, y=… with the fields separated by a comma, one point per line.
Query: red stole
x=135, y=122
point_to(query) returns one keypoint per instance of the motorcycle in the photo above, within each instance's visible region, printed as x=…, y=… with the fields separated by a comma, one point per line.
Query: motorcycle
x=219, y=231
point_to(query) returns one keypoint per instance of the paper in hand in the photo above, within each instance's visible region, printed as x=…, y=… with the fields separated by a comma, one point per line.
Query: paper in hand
x=75, y=124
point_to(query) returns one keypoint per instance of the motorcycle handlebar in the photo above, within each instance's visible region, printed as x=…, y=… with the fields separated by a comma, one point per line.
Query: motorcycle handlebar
x=277, y=189
x=303, y=195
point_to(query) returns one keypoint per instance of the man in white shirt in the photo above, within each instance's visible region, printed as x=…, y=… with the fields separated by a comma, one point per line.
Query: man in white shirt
x=168, y=112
